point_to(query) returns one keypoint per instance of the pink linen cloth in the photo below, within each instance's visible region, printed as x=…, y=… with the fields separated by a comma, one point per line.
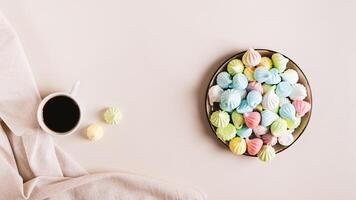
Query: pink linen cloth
x=32, y=166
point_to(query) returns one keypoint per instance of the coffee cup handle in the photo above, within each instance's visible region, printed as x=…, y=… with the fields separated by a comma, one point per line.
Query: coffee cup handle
x=74, y=89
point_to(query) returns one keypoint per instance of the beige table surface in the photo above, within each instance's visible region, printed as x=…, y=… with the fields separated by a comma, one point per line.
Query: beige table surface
x=154, y=59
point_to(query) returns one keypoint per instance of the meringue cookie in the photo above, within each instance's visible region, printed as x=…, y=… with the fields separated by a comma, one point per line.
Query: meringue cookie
x=278, y=127
x=252, y=119
x=244, y=132
x=286, y=139
x=235, y=66
x=251, y=58
x=223, y=79
x=230, y=99
x=226, y=133
x=237, y=119
x=287, y=111
x=293, y=123
x=253, y=98
x=239, y=81
x=291, y=76
x=275, y=78
x=279, y=62
x=242, y=93
x=260, y=130
x=266, y=62
x=268, y=117
x=301, y=107
x=249, y=71
x=283, y=100
x=259, y=107
x=267, y=88
x=214, y=94
x=283, y=89
x=298, y=92
x=269, y=139
x=254, y=146
x=266, y=153
x=112, y=115
x=254, y=85
x=244, y=107
x=94, y=132
x=261, y=74
x=270, y=101
x=219, y=118
x=237, y=146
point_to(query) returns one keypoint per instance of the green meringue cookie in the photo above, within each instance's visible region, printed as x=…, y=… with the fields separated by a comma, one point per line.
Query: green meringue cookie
x=226, y=133
x=235, y=66
x=266, y=153
x=279, y=127
x=219, y=119
x=112, y=115
x=279, y=62
x=237, y=119
x=293, y=123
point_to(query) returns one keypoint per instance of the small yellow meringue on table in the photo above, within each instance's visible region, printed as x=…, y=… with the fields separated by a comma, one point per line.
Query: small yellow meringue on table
x=94, y=132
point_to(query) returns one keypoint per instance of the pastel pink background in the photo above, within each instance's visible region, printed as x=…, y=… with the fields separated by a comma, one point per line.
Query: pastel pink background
x=153, y=59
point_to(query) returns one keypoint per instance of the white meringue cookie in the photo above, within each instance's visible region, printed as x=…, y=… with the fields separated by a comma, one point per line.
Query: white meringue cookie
x=214, y=94
x=286, y=139
x=291, y=76
x=260, y=130
x=251, y=58
x=270, y=101
x=298, y=92
x=283, y=100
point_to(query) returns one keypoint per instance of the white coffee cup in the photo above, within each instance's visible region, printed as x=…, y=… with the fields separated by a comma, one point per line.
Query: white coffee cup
x=70, y=95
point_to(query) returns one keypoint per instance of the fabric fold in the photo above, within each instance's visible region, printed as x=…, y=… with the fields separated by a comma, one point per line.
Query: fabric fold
x=32, y=167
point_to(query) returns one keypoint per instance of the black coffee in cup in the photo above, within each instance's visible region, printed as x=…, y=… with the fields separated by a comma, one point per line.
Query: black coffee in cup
x=61, y=114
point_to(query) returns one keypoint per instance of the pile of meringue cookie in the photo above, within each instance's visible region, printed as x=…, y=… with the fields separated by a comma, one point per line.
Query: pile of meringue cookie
x=260, y=103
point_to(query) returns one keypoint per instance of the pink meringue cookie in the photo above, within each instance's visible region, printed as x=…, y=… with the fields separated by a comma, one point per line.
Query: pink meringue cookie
x=254, y=146
x=254, y=85
x=269, y=139
x=252, y=119
x=301, y=107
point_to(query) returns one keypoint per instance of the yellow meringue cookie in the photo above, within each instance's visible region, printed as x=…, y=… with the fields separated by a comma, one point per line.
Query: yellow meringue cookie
x=259, y=107
x=237, y=145
x=248, y=71
x=266, y=62
x=266, y=88
x=94, y=132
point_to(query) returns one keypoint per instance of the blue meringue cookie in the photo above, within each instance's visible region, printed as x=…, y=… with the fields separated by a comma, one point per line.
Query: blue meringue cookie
x=254, y=98
x=244, y=132
x=224, y=80
x=287, y=111
x=244, y=107
x=275, y=78
x=229, y=100
x=239, y=81
x=261, y=74
x=268, y=117
x=242, y=93
x=283, y=89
